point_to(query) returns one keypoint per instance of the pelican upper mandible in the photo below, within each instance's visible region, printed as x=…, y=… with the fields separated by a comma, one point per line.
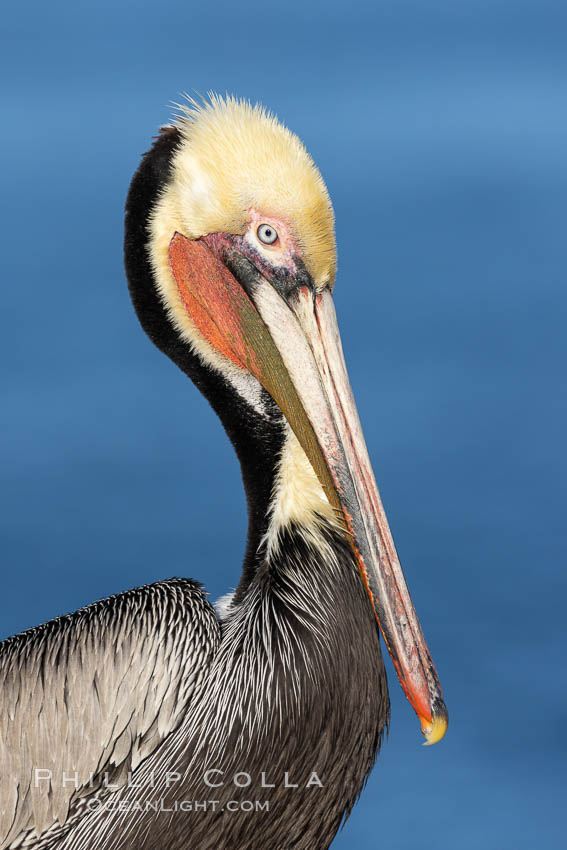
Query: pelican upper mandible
x=146, y=721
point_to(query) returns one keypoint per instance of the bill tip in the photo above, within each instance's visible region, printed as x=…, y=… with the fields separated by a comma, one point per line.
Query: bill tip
x=434, y=729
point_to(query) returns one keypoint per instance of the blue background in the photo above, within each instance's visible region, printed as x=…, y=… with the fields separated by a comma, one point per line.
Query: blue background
x=441, y=130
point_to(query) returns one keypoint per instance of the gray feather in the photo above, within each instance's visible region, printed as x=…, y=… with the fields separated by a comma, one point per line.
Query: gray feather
x=95, y=692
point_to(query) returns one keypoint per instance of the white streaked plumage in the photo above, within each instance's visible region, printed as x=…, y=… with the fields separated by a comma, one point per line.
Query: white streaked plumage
x=95, y=692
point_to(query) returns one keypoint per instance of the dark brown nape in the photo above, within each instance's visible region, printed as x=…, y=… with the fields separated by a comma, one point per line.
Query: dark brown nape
x=257, y=439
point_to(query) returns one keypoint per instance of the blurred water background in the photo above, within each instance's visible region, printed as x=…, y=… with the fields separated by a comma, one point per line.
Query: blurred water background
x=441, y=130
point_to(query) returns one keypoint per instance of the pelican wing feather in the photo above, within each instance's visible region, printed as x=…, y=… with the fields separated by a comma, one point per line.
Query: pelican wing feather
x=86, y=697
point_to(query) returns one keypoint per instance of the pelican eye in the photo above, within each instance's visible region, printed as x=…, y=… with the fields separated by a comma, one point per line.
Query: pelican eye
x=267, y=234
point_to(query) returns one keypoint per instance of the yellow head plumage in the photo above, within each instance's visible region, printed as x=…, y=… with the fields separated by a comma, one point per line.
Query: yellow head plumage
x=236, y=156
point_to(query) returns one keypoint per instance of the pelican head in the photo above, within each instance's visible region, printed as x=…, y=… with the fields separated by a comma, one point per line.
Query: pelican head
x=241, y=248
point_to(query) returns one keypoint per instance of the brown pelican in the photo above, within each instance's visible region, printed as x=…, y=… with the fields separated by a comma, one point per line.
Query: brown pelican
x=145, y=720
